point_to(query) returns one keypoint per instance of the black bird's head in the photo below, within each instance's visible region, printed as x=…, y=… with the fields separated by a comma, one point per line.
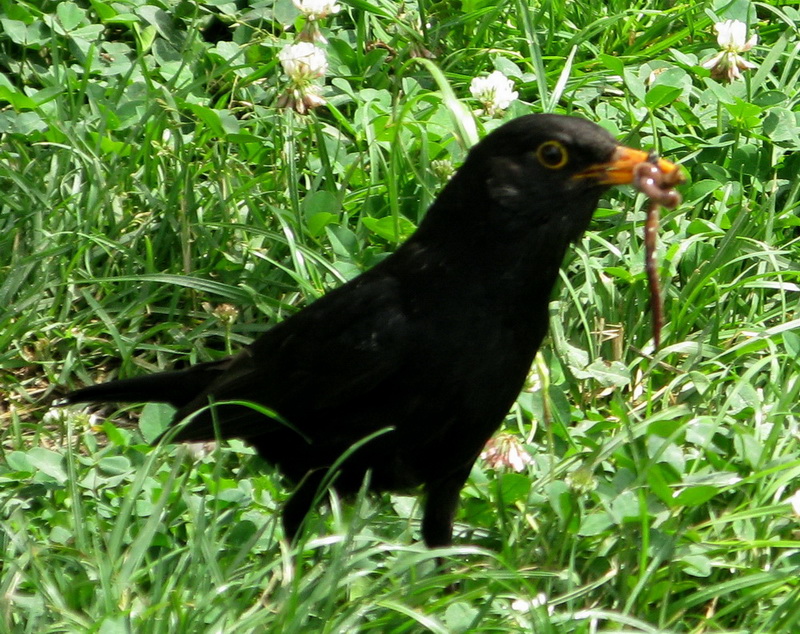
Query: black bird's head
x=546, y=173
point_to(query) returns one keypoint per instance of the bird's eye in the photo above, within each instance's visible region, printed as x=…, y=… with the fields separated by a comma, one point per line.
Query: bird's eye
x=552, y=154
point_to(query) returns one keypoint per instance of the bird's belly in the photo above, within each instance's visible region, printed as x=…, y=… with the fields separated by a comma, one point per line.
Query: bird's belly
x=431, y=417
x=441, y=417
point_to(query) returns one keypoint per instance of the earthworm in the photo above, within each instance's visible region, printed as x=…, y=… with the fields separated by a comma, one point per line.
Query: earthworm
x=657, y=186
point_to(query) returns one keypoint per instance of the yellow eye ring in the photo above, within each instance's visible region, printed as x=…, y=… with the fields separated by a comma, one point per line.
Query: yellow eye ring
x=552, y=155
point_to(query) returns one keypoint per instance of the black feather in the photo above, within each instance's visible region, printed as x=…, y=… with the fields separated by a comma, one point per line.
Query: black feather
x=435, y=342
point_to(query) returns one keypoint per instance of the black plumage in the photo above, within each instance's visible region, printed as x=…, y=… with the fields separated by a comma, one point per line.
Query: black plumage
x=433, y=343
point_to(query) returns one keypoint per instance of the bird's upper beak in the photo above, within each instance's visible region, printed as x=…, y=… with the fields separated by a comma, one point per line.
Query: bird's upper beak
x=619, y=170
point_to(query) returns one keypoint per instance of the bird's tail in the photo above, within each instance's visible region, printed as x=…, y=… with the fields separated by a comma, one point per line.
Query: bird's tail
x=176, y=387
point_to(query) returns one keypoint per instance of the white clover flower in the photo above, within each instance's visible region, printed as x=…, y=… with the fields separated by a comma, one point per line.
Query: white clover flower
x=495, y=92
x=794, y=500
x=303, y=62
x=316, y=9
x=442, y=168
x=313, y=11
x=505, y=451
x=731, y=37
x=301, y=100
x=56, y=416
x=80, y=419
x=526, y=605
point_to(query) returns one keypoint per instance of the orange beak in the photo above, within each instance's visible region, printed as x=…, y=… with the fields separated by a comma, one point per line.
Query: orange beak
x=620, y=169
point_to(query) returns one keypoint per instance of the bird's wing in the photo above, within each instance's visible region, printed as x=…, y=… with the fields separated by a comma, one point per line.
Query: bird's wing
x=334, y=351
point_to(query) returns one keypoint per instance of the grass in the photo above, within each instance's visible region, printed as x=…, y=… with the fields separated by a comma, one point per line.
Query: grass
x=157, y=208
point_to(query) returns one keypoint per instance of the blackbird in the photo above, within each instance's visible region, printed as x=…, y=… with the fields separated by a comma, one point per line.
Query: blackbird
x=432, y=345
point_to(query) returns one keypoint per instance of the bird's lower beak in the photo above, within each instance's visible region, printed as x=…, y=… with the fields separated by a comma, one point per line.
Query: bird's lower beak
x=620, y=169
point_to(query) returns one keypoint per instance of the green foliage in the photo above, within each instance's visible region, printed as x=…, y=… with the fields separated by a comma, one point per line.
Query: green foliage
x=157, y=206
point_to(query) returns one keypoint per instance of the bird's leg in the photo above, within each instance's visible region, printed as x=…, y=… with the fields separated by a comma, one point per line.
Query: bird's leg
x=440, y=508
x=300, y=503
